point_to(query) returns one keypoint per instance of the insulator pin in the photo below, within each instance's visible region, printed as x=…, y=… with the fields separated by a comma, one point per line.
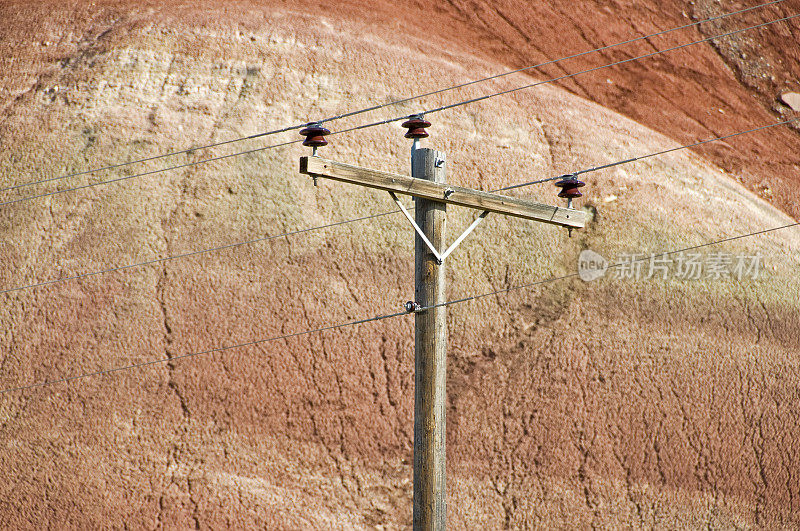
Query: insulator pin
x=416, y=127
x=412, y=306
x=315, y=135
x=569, y=185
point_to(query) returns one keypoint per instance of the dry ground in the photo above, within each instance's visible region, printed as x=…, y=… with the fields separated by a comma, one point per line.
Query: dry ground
x=614, y=403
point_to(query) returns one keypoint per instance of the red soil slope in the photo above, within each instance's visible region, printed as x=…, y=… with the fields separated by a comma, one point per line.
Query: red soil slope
x=606, y=404
x=700, y=92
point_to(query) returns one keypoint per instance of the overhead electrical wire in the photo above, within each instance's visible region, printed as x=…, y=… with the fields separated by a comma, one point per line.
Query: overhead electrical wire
x=376, y=318
x=151, y=172
x=150, y=159
x=618, y=264
x=392, y=103
x=649, y=155
x=373, y=216
x=670, y=150
x=209, y=351
x=567, y=76
x=382, y=122
x=190, y=253
x=547, y=63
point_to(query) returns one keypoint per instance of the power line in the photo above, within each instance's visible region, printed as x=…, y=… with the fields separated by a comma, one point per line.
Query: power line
x=547, y=63
x=151, y=172
x=382, y=122
x=618, y=264
x=649, y=155
x=559, y=78
x=191, y=253
x=379, y=317
x=373, y=216
x=594, y=69
x=155, y=157
x=398, y=102
x=210, y=351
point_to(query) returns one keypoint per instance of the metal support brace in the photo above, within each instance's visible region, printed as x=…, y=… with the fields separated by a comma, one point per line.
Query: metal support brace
x=465, y=234
x=439, y=257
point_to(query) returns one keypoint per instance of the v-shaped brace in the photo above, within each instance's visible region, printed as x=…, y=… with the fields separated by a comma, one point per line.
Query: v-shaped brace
x=439, y=257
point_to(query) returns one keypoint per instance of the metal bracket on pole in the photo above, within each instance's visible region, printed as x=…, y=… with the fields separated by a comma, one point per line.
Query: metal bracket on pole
x=439, y=257
x=464, y=234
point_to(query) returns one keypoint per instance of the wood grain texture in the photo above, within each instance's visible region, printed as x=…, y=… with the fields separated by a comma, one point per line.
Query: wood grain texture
x=455, y=195
x=430, y=351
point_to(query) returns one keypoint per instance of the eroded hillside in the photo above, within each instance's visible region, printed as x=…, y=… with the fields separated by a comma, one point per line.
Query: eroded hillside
x=622, y=401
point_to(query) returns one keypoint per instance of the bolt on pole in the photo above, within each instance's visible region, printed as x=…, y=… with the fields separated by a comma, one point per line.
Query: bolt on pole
x=430, y=350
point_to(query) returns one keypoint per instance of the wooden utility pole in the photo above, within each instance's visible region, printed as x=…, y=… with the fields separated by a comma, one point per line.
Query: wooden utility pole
x=430, y=350
x=428, y=185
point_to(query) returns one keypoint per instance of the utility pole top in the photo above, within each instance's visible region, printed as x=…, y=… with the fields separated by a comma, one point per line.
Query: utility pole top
x=428, y=184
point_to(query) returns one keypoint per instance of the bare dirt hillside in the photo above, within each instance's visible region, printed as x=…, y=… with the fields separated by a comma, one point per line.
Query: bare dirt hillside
x=731, y=84
x=659, y=401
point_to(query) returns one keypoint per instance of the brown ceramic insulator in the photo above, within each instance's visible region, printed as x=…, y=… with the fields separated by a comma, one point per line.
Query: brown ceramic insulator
x=569, y=187
x=416, y=127
x=315, y=136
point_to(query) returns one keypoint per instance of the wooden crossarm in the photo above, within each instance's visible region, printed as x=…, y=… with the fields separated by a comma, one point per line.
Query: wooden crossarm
x=444, y=193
